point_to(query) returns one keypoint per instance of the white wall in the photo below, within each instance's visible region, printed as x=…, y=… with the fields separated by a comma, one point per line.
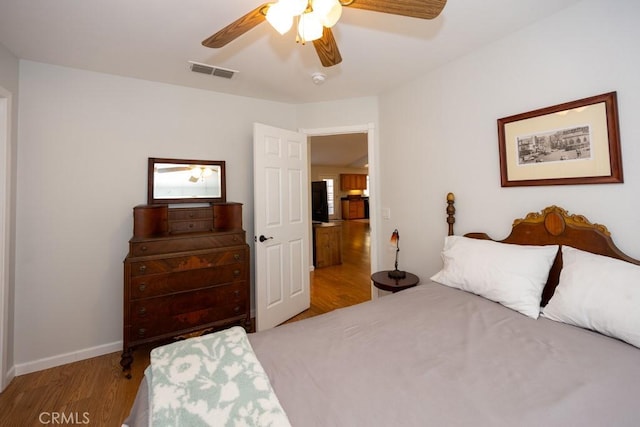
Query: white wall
x=82, y=166
x=347, y=112
x=447, y=124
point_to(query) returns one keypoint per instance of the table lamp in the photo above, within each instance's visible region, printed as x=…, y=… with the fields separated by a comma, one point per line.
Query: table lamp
x=395, y=273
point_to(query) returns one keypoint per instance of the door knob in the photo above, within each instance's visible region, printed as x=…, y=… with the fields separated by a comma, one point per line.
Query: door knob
x=264, y=239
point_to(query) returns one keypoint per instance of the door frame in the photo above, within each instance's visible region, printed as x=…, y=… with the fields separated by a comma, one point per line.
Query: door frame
x=374, y=187
x=6, y=372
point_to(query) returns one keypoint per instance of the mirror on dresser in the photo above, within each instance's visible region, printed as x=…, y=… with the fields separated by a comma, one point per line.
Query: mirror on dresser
x=186, y=181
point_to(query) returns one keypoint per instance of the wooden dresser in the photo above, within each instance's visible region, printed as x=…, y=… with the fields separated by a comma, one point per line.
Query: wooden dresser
x=187, y=273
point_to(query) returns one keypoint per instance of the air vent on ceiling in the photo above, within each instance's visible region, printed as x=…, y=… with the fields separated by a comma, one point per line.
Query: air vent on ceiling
x=198, y=67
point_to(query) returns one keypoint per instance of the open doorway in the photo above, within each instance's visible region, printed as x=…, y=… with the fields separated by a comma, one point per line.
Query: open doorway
x=334, y=152
x=338, y=161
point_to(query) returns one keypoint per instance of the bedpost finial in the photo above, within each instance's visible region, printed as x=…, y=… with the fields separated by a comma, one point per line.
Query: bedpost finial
x=451, y=211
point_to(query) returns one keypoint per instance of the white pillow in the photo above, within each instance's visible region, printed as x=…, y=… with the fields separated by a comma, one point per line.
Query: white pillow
x=598, y=293
x=513, y=275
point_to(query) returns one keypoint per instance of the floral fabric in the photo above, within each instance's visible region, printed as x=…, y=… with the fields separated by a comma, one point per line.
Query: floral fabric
x=213, y=380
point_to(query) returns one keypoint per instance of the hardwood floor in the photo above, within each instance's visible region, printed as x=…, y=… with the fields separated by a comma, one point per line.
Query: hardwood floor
x=94, y=392
x=90, y=392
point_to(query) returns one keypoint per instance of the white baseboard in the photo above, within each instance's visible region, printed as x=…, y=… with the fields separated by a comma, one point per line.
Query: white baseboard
x=63, y=359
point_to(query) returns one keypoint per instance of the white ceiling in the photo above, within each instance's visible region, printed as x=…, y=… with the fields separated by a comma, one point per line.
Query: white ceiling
x=155, y=39
x=348, y=150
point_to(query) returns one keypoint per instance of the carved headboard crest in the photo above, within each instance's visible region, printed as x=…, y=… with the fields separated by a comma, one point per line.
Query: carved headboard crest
x=555, y=218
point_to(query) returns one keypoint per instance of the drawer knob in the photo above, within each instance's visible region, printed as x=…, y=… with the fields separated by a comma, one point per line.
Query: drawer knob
x=235, y=238
x=142, y=287
x=236, y=293
x=142, y=312
x=142, y=332
x=143, y=268
x=190, y=225
x=143, y=248
x=237, y=310
x=236, y=256
x=236, y=273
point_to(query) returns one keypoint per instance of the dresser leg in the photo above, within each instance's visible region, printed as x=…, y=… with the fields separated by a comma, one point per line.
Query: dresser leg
x=126, y=359
x=248, y=325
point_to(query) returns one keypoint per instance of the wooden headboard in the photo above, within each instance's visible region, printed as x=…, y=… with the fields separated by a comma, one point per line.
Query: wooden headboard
x=553, y=226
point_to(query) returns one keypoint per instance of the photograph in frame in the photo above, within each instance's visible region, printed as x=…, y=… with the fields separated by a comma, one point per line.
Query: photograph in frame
x=572, y=143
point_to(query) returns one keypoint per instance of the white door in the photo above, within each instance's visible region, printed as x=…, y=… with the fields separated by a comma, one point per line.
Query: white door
x=281, y=224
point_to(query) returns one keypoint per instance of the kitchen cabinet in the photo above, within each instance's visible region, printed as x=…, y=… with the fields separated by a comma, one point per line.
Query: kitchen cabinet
x=352, y=181
x=327, y=244
x=353, y=209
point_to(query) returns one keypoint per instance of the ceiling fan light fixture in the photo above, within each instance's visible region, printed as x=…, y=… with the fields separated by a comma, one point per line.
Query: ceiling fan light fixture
x=329, y=11
x=294, y=7
x=279, y=18
x=309, y=27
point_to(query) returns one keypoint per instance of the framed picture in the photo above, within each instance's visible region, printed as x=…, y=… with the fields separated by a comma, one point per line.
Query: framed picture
x=576, y=142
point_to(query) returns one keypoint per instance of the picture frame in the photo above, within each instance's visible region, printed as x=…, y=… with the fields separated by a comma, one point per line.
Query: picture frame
x=576, y=142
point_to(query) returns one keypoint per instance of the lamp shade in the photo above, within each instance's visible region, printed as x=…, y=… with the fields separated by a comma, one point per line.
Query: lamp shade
x=294, y=7
x=328, y=10
x=395, y=237
x=279, y=18
x=309, y=27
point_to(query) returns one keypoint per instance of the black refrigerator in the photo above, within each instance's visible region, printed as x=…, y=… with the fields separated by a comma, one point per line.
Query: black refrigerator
x=319, y=203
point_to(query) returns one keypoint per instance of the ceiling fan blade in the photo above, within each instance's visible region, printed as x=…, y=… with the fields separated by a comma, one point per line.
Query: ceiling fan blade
x=237, y=27
x=172, y=169
x=423, y=9
x=327, y=48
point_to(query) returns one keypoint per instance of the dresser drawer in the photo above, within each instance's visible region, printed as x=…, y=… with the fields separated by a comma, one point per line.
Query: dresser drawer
x=180, y=214
x=185, y=322
x=179, y=313
x=156, y=265
x=190, y=226
x=167, y=283
x=143, y=247
x=186, y=302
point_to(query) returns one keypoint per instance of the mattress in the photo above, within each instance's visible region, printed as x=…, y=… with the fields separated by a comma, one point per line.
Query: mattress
x=433, y=355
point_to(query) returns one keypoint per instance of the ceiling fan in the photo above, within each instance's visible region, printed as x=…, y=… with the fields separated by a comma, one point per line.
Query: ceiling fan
x=315, y=18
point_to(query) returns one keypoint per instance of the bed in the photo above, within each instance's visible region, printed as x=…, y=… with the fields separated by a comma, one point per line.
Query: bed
x=540, y=328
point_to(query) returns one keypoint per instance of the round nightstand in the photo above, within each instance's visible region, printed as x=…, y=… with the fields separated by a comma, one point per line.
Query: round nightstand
x=381, y=280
